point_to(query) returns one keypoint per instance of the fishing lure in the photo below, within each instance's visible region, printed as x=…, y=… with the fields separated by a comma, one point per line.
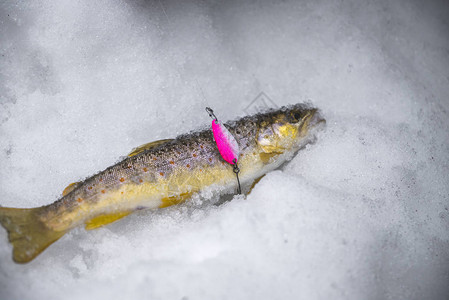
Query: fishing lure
x=226, y=143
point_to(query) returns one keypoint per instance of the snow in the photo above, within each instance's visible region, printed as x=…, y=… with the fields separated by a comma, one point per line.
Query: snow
x=361, y=214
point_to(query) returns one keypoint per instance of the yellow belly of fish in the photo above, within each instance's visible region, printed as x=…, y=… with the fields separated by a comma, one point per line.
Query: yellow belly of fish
x=122, y=200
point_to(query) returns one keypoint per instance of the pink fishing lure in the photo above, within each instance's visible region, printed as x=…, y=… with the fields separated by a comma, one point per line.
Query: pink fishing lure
x=226, y=142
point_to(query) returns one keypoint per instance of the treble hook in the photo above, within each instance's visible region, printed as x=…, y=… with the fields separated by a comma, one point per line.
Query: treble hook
x=236, y=170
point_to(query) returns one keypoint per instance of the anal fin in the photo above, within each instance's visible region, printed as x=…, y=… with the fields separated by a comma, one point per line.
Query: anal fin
x=105, y=219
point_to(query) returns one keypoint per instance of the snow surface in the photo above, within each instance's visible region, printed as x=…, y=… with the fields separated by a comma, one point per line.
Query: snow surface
x=361, y=214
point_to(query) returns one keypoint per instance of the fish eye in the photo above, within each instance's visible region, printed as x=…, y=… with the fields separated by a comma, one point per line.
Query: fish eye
x=296, y=116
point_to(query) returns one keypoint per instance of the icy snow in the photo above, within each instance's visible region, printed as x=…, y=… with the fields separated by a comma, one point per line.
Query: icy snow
x=361, y=214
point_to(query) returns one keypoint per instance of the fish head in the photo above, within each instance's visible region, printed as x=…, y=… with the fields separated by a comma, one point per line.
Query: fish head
x=288, y=128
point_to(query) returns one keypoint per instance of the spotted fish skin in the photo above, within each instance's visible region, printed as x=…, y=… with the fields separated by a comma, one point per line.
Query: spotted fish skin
x=172, y=171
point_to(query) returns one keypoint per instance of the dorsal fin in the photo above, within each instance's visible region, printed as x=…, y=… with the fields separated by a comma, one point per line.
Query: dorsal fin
x=70, y=188
x=147, y=146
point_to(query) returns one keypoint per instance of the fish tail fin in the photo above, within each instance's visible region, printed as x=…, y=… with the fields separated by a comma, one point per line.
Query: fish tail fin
x=28, y=235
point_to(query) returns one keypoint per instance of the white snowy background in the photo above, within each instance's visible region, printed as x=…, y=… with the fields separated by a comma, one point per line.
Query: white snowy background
x=361, y=214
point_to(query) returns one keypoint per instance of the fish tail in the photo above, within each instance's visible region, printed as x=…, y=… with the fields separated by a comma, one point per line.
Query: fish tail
x=26, y=232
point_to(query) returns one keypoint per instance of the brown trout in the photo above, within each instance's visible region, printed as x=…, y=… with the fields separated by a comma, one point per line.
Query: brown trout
x=163, y=173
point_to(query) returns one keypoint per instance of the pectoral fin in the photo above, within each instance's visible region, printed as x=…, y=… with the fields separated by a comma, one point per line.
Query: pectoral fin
x=148, y=146
x=102, y=220
x=254, y=183
x=266, y=157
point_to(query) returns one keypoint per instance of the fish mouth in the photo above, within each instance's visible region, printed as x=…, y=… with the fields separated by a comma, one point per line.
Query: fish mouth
x=316, y=119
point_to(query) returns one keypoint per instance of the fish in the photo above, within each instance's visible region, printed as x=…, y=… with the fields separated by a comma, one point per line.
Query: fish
x=164, y=173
